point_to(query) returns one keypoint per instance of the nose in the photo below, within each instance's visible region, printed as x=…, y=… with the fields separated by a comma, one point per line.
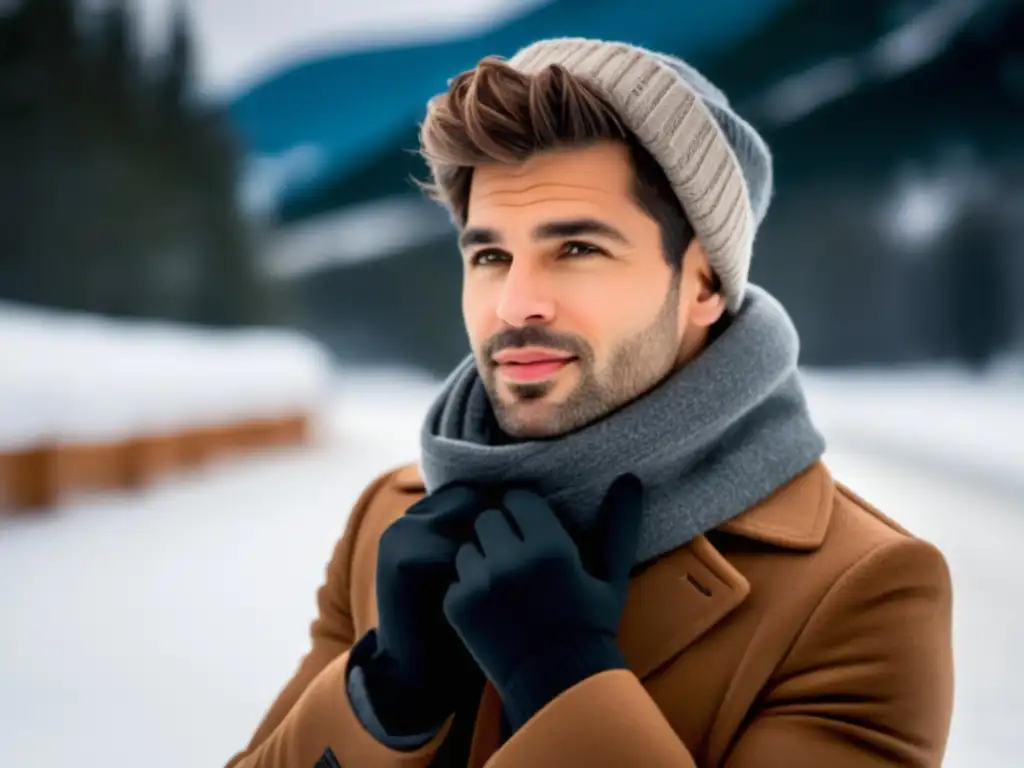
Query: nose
x=526, y=298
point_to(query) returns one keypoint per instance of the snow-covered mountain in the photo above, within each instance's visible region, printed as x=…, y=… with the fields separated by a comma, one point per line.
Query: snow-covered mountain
x=240, y=41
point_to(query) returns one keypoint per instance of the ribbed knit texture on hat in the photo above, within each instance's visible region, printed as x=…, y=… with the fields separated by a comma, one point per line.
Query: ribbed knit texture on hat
x=718, y=165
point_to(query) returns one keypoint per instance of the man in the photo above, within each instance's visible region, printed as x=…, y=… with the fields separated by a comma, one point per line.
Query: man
x=620, y=547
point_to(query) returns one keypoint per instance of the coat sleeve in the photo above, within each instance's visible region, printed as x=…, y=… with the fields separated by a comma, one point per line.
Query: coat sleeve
x=312, y=712
x=867, y=684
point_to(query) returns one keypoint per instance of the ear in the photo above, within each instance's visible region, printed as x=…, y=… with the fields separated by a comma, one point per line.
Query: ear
x=707, y=303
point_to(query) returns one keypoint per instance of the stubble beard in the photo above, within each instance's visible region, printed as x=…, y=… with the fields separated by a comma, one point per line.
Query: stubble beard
x=637, y=365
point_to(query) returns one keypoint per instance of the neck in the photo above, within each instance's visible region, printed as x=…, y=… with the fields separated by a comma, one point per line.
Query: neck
x=697, y=339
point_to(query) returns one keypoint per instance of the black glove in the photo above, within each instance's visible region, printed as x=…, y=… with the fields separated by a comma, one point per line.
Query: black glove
x=535, y=619
x=414, y=665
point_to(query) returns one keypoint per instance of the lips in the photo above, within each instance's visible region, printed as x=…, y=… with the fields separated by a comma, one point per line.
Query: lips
x=528, y=356
x=526, y=365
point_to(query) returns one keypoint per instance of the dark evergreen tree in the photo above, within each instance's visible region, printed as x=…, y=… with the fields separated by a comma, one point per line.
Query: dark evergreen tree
x=118, y=190
x=17, y=109
x=115, y=65
x=177, y=75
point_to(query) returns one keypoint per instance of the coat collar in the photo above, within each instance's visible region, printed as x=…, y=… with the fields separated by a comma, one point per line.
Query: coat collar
x=796, y=516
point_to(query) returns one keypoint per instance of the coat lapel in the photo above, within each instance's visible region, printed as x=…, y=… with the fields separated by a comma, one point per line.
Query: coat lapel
x=701, y=587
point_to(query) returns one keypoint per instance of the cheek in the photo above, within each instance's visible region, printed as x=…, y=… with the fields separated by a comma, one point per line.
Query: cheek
x=478, y=314
x=622, y=318
x=608, y=304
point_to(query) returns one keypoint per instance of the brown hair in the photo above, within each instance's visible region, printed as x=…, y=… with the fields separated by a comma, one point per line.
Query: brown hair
x=494, y=113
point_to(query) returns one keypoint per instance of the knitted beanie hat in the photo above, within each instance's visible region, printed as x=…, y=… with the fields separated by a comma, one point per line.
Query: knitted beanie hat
x=718, y=165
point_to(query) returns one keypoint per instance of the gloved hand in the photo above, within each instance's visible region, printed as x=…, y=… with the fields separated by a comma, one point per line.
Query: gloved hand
x=537, y=620
x=414, y=665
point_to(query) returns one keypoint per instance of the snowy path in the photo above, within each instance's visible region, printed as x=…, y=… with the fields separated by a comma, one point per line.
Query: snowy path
x=163, y=625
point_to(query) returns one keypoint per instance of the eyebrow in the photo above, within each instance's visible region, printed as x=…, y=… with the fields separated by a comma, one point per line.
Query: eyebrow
x=550, y=230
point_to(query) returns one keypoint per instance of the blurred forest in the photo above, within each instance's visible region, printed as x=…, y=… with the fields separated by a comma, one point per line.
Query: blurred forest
x=118, y=190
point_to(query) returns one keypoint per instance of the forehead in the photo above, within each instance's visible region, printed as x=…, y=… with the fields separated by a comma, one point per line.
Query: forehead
x=595, y=180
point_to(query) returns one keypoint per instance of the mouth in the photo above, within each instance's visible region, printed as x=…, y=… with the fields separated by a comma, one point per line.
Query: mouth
x=524, y=366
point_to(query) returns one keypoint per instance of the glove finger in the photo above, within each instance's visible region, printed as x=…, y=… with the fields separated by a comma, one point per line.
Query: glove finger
x=428, y=569
x=534, y=517
x=408, y=544
x=618, y=530
x=469, y=565
x=495, y=533
x=451, y=510
x=446, y=500
x=457, y=604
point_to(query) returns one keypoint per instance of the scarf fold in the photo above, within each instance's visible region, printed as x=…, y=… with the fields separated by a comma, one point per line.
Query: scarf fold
x=709, y=442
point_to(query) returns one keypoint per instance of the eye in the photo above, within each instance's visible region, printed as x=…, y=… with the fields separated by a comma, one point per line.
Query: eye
x=575, y=248
x=486, y=257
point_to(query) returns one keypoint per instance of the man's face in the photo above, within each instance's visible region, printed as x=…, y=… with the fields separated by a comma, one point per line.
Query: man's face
x=570, y=306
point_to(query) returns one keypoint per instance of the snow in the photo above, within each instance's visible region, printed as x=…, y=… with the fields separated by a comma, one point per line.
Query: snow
x=944, y=417
x=163, y=624
x=74, y=377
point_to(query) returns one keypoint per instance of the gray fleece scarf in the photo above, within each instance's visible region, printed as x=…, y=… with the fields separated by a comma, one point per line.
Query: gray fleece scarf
x=711, y=441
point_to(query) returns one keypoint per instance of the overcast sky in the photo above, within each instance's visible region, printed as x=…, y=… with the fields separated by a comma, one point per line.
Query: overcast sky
x=239, y=40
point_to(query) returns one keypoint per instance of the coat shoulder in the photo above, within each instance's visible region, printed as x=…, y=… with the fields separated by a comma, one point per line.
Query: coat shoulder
x=860, y=552
x=858, y=532
x=855, y=504
x=408, y=478
x=390, y=494
x=872, y=542
x=858, y=525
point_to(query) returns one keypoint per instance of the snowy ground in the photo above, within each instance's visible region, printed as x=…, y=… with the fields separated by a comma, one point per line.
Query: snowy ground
x=162, y=625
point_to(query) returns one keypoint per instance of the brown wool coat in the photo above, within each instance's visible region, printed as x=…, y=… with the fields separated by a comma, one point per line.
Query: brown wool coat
x=811, y=632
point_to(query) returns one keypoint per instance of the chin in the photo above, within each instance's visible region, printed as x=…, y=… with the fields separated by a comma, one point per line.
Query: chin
x=540, y=420
x=529, y=420
x=538, y=410
x=531, y=431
